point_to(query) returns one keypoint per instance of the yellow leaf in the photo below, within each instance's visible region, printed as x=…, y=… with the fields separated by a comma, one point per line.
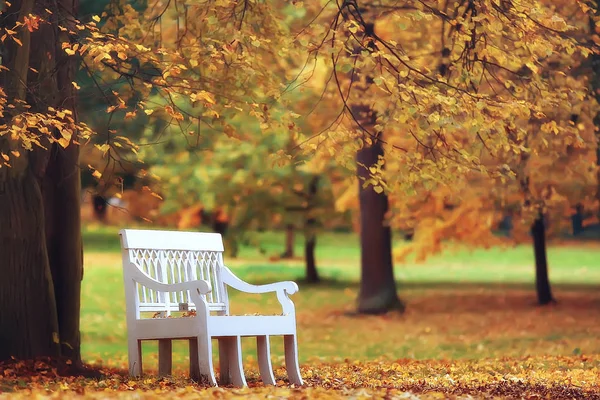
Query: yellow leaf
x=203, y=95
x=103, y=147
x=64, y=142
x=55, y=338
x=97, y=174
x=75, y=85
x=96, y=18
x=66, y=137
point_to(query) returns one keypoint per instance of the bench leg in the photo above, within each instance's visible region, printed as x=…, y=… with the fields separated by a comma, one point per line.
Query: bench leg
x=290, y=344
x=236, y=367
x=224, y=350
x=165, y=357
x=134, y=349
x=264, y=360
x=201, y=366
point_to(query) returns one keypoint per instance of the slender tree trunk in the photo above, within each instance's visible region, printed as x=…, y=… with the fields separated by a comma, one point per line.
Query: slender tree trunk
x=542, y=282
x=310, y=244
x=289, y=241
x=377, y=284
x=310, y=235
x=99, y=207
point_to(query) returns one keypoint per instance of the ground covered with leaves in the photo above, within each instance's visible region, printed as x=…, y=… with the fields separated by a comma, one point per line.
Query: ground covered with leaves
x=573, y=377
x=471, y=329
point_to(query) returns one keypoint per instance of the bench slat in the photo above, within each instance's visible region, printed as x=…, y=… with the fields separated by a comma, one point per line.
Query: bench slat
x=171, y=240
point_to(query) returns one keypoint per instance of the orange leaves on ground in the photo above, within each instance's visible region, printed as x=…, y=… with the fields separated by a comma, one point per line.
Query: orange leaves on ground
x=530, y=377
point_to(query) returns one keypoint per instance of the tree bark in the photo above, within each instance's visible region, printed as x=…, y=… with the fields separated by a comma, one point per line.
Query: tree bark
x=312, y=275
x=61, y=190
x=99, y=207
x=377, y=284
x=28, y=320
x=41, y=244
x=310, y=234
x=65, y=248
x=595, y=84
x=289, y=241
x=542, y=282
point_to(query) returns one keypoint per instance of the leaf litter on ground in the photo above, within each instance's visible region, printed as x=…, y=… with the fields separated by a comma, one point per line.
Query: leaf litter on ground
x=540, y=377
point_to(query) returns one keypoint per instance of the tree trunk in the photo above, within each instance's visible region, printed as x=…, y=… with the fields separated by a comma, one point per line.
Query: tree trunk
x=312, y=276
x=310, y=234
x=28, y=320
x=595, y=83
x=65, y=248
x=542, y=282
x=289, y=241
x=577, y=220
x=41, y=245
x=377, y=284
x=61, y=189
x=99, y=207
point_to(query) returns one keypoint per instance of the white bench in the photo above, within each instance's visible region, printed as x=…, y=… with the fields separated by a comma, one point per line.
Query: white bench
x=166, y=272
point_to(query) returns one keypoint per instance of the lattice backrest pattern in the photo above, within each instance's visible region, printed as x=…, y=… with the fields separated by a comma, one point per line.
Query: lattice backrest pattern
x=173, y=257
x=175, y=266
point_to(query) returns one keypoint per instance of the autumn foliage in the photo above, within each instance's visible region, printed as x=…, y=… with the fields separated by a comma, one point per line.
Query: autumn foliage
x=529, y=377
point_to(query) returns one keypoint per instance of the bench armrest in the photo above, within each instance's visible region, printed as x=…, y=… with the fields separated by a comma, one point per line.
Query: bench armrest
x=202, y=286
x=283, y=289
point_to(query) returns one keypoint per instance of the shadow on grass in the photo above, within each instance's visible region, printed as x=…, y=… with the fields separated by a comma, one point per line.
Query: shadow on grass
x=344, y=283
x=453, y=298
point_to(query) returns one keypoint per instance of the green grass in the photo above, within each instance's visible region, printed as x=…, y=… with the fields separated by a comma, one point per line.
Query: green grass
x=461, y=304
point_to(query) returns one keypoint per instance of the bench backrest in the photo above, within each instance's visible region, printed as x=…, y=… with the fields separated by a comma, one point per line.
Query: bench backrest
x=173, y=257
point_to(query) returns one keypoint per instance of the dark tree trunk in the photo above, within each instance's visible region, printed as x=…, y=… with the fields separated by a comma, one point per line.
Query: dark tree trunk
x=289, y=241
x=312, y=275
x=310, y=234
x=595, y=83
x=28, y=321
x=598, y=164
x=61, y=189
x=65, y=248
x=99, y=206
x=577, y=220
x=41, y=245
x=542, y=282
x=377, y=284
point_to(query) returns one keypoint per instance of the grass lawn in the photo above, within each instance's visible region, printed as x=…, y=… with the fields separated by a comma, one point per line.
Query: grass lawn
x=460, y=305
